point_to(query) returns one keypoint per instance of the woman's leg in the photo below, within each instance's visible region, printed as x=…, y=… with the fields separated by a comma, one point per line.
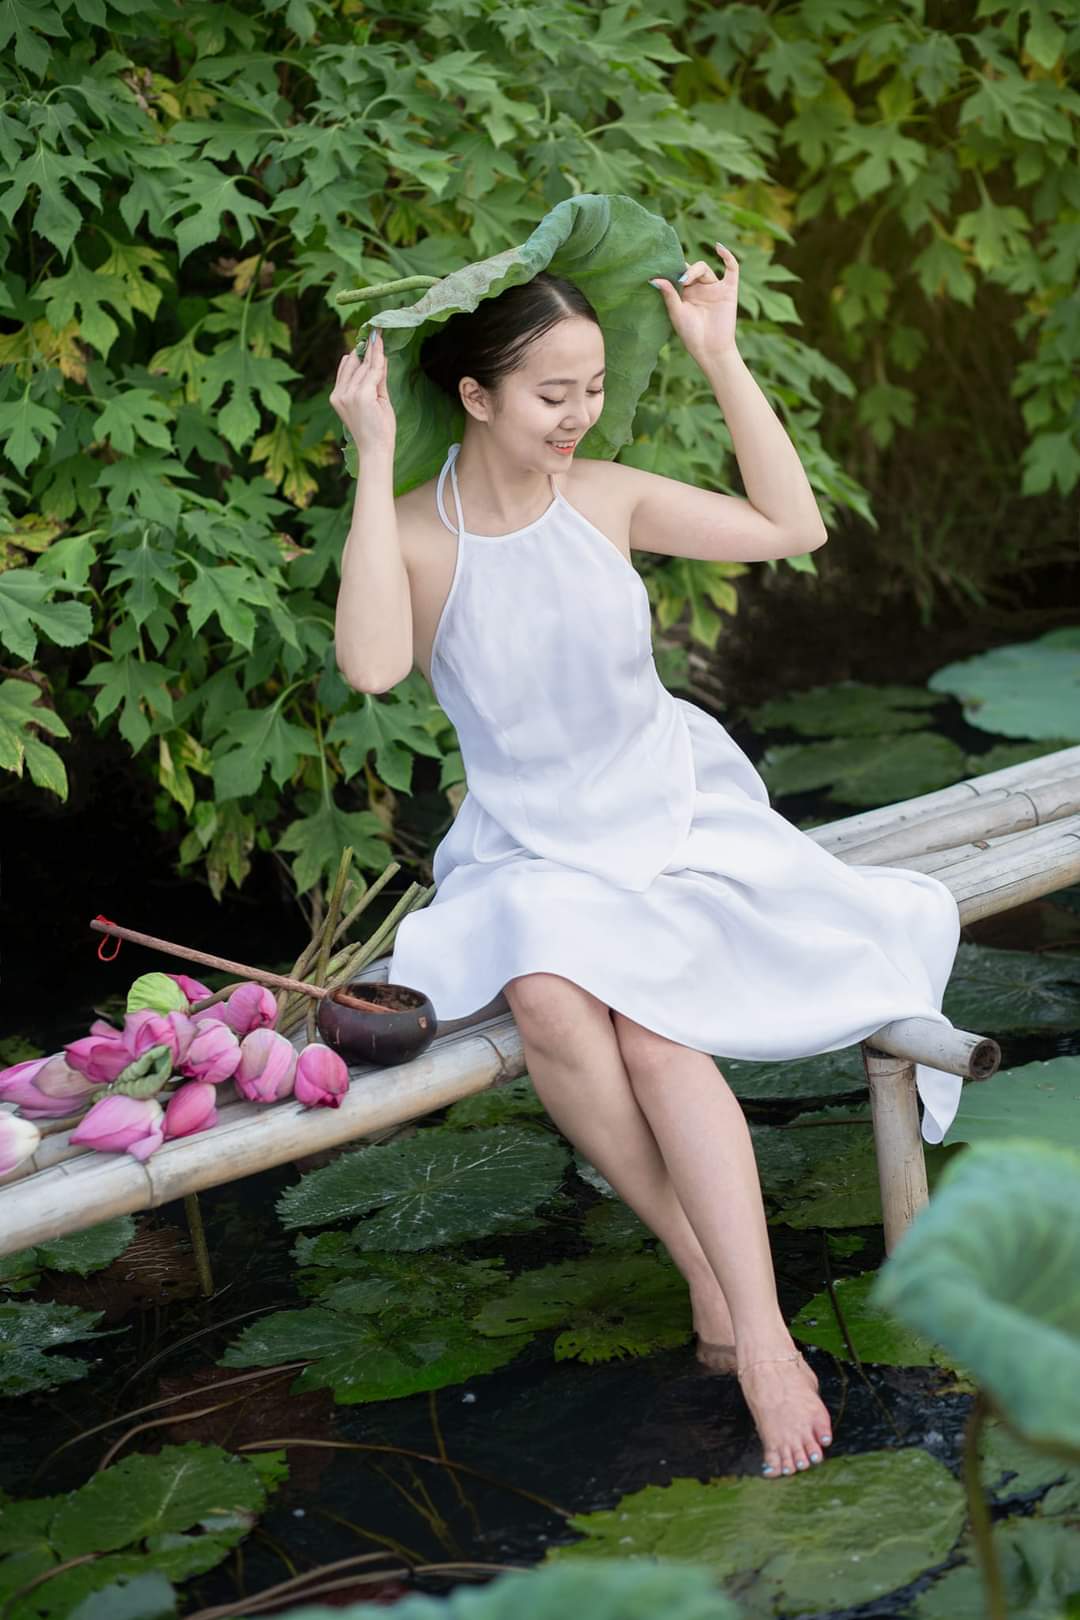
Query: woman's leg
x=705, y=1142
x=577, y=1068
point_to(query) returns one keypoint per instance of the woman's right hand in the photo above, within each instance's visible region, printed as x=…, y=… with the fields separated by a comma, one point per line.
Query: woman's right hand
x=361, y=399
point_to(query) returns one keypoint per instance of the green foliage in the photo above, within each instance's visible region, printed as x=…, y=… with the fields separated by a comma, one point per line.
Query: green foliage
x=1008, y=991
x=1028, y=690
x=847, y=709
x=1040, y=1574
x=178, y=214
x=864, y=771
x=28, y=1332
x=875, y=1335
x=1036, y=1100
x=829, y=1074
x=617, y=1591
x=80, y=1252
x=989, y=1270
x=828, y=1539
x=838, y=1183
x=22, y=717
x=171, y=1515
x=516, y=1099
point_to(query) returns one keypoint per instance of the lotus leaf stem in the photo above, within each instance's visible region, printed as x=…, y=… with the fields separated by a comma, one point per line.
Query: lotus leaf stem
x=379, y=289
x=979, y=1513
x=199, y=1244
x=330, y=922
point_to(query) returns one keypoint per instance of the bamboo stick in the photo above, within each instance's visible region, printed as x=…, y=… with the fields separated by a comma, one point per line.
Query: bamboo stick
x=901, y=1162
x=1016, y=811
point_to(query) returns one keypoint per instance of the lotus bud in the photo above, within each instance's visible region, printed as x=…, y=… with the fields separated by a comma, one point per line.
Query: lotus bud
x=122, y=1125
x=101, y=1055
x=145, y=1029
x=44, y=1087
x=214, y=1052
x=18, y=1139
x=191, y=1108
x=191, y=987
x=267, y=1066
x=251, y=1006
x=321, y=1077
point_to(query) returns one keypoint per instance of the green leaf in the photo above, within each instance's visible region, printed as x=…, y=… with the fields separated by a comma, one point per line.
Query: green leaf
x=156, y=992
x=849, y=709
x=608, y=1306
x=86, y=291
x=89, y=1250
x=224, y=592
x=319, y=840
x=214, y=193
x=1040, y=1573
x=133, y=414
x=829, y=1074
x=26, y=606
x=513, y=1099
x=135, y=686
x=1007, y=991
x=264, y=738
x=25, y=428
x=1036, y=1100
x=21, y=714
x=877, y=1336
x=27, y=1332
x=989, y=1270
x=862, y=770
x=840, y=1186
x=1029, y=689
x=442, y=1186
x=150, y=575
x=392, y=729
x=828, y=1539
x=131, y=1597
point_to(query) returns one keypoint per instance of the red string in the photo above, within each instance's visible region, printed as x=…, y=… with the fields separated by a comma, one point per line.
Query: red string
x=105, y=955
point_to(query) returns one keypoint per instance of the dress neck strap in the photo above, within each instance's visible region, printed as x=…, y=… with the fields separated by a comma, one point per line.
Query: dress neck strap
x=449, y=467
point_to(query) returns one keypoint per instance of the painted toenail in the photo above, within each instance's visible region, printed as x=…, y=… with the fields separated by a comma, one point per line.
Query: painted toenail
x=802, y=1465
x=826, y=1439
x=815, y=1456
x=786, y=1470
x=767, y=1468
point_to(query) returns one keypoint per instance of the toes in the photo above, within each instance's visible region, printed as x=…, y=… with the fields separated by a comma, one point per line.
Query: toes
x=801, y=1459
x=771, y=1466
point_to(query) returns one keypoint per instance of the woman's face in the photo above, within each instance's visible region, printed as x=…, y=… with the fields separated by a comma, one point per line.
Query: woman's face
x=555, y=396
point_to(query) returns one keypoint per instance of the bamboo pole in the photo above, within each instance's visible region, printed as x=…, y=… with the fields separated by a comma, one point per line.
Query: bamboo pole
x=1016, y=811
x=894, y=1109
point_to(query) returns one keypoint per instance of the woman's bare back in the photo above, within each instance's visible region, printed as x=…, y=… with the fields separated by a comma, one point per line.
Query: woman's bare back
x=429, y=549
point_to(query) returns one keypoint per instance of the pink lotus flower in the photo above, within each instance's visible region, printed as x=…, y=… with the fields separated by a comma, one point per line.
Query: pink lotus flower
x=214, y=1053
x=44, y=1087
x=191, y=1108
x=18, y=1139
x=107, y=1051
x=191, y=987
x=267, y=1066
x=321, y=1078
x=251, y=1006
x=122, y=1125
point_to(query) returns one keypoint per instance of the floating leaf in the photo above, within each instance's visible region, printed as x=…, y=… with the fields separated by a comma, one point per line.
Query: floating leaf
x=830, y=1538
x=441, y=1186
x=1002, y=756
x=1035, y=1100
x=515, y=1099
x=81, y=1252
x=849, y=709
x=386, y=1282
x=1006, y=991
x=864, y=770
x=1028, y=689
x=613, y=1225
x=1008, y=1468
x=28, y=1331
x=625, y=1305
x=1040, y=1572
x=828, y=1074
x=990, y=1270
x=876, y=1335
x=841, y=1187
x=134, y=1597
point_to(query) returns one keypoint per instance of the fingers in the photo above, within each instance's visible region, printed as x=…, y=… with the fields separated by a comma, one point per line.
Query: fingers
x=700, y=271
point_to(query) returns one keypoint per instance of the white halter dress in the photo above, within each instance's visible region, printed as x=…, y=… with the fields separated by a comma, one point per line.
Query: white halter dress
x=616, y=835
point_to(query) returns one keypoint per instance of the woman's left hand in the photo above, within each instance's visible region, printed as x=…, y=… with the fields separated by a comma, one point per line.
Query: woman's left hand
x=704, y=316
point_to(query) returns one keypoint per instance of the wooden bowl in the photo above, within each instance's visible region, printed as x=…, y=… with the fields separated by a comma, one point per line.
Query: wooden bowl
x=406, y=1028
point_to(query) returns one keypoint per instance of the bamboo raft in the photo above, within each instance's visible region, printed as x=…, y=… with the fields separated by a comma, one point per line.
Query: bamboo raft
x=996, y=841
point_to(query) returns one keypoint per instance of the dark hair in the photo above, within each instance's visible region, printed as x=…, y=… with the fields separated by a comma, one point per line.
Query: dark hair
x=489, y=342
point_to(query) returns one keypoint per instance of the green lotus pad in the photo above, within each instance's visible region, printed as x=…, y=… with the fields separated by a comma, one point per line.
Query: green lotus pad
x=990, y=1270
x=1035, y=1100
x=844, y=1533
x=609, y=247
x=877, y=1336
x=1001, y=992
x=1040, y=1571
x=848, y=709
x=1030, y=689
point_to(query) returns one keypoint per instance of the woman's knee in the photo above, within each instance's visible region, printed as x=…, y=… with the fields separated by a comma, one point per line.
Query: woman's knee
x=551, y=1010
x=647, y=1055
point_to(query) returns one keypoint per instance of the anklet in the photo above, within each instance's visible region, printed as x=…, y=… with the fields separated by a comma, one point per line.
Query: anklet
x=797, y=1356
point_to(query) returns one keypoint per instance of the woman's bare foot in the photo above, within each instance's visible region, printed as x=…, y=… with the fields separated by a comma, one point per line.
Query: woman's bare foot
x=792, y=1421
x=714, y=1328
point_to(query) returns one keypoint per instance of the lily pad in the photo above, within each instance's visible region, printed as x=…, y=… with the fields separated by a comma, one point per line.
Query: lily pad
x=836, y=1536
x=515, y=1099
x=828, y=1074
x=421, y=1282
x=612, y=1591
x=877, y=1336
x=1040, y=1571
x=990, y=1270
x=608, y=246
x=28, y=1332
x=1003, y=755
x=607, y=1307
x=80, y=1252
x=1009, y=1469
x=1028, y=689
x=841, y=1186
x=848, y=709
x=1002, y=992
x=864, y=771
x=440, y=1186
x=1034, y=1100
x=613, y=1225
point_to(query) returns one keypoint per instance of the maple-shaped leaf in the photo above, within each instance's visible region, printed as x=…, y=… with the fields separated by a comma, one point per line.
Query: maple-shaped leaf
x=55, y=218
x=135, y=265
x=142, y=482
x=319, y=839
x=289, y=461
x=263, y=737
x=137, y=688
x=245, y=373
x=134, y=413
x=225, y=591
x=390, y=729
x=150, y=574
x=20, y=713
x=607, y=1306
x=86, y=291
x=26, y=609
x=25, y=426
x=214, y=193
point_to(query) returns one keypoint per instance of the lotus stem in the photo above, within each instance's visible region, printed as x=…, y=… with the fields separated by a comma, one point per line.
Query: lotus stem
x=287, y=1002
x=199, y=1244
x=979, y=1513
x=379, y=289
x=333, y=912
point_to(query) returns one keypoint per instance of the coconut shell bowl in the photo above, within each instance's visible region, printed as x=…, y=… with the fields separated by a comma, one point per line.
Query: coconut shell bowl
x=369, y=1022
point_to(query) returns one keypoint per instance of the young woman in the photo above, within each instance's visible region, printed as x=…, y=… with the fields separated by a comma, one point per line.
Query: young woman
x=615, y=866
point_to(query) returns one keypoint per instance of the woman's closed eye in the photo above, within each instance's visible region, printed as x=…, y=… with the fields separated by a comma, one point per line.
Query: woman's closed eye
x=547, y=401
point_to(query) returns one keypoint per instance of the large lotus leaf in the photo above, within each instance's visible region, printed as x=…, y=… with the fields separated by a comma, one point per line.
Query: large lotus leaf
x=608, y=246
x=1035, y=1100
x=607, y=1306
x=1009, y=1469
x=841, y=1185
x=849, y=709
x=441, y=1186
x=613, y=1225
x=81, y=1252
x=999, y=992
x=174, y=1514
x=1040, y=1571
x=28, y=1331
x=836, y=1536
x=877, y=1336
x=386, y=1282
x=136, y=1597
x=1002, y=756
x=365, y=1357
x=829, y=1074
x=990, y=1270
x=613, y=1591
x=515, y=1099
x=1029, y=689
x=864, y=770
